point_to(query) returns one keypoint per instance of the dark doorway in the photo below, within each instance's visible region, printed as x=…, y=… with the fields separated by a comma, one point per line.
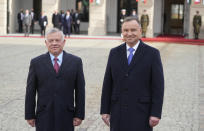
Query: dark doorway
x=173, y=17
x=37, y=6
x=129, y=5
x=8, y=16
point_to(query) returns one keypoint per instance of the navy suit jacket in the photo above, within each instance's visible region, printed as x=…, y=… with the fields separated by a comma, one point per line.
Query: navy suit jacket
x=57, y=93
x=132, y=93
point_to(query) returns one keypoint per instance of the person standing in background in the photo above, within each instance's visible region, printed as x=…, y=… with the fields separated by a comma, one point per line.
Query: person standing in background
x=67, y=23
x=27, y=19
x=43, y=22
x=33, y=16
x=197, y=22
x=123, y=15
x=20, y=21
x=134, y=14
x=77, y=21
x=56, y=19
x=144, y=22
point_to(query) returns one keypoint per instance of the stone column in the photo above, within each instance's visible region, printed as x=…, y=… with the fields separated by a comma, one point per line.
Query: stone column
x=149, y=6
x=49, y=6
x=97, y=18
x=3, y=17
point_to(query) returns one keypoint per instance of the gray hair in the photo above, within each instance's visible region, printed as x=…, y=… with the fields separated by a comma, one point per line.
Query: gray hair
x=54, y=30
x=130, y=18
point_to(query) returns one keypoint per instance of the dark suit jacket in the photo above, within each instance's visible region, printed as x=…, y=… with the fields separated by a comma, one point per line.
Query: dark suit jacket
x=67, y=22
x=132, y=93
x=56, y=20
x=42, y=20
x=55, y=93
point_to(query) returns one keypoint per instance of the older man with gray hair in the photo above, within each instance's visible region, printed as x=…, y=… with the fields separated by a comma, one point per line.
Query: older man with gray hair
x=58, y=80
x=27, y=19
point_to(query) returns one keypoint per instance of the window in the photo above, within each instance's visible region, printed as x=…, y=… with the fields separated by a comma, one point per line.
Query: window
x=177, y=11
x=83, y=7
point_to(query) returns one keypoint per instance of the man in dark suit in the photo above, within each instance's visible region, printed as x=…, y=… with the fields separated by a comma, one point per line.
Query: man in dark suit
x=133, y=86
x=58, y=80
x=43, y=22
x=33, y=15
x=67, y=23
x=56, y=19
x=76, y=19
x=20, y=21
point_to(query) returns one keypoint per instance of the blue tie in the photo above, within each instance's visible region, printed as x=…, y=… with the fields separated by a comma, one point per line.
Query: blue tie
x=130, y=55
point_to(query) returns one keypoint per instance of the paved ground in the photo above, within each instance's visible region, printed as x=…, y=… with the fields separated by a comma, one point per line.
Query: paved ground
x=184, y=85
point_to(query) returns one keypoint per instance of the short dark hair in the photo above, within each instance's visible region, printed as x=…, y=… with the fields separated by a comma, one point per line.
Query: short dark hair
x=130, y=18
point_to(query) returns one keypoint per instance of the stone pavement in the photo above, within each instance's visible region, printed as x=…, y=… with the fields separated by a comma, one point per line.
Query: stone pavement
x=183, y=108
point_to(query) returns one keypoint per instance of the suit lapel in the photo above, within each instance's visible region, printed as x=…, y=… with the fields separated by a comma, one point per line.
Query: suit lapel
x=65, y=61
x=137, y=56
x=123, y=57
x=49, y=64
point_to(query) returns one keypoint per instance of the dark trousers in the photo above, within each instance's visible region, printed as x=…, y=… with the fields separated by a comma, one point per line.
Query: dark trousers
x=77, y=28
x=67, y=30
x=20, y=26
x=43, y=29
x=32, y=27
x=196, y=35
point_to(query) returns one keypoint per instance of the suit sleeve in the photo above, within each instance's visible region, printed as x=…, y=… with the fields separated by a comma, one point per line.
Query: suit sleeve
x=30, y=101
x=107, y=89
x=157, y=86
x=80, y=93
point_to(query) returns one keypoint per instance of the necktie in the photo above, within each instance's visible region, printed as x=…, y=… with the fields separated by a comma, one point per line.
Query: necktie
x=56, y=65
x=130, y=55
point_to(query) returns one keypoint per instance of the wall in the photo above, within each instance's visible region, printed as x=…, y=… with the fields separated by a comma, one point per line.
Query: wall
x=158, y=19
x=111, y=15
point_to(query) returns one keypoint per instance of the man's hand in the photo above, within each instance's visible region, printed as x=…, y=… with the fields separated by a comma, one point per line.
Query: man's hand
x=153, y=121
x=106, y=119
x=76, y=121
x=31, y=122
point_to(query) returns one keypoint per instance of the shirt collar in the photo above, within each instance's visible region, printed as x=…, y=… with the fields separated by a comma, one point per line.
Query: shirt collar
x=59, y=57
x=134, y=47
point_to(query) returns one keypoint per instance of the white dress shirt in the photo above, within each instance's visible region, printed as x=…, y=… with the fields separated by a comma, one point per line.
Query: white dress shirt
x=59, y=58
x=135, y=47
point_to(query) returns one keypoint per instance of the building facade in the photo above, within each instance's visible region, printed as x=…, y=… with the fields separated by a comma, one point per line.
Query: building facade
x=169, y=17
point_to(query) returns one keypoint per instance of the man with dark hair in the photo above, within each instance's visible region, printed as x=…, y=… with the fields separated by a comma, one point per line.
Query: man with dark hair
x=43, y=22
x=133, y=86
x=20, y=21
x=33, y=16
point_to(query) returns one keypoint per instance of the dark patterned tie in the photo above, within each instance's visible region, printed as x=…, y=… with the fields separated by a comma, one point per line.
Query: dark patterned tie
x=56, y=65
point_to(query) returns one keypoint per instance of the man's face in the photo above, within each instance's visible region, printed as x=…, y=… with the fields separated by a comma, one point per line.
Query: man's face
x=131, y=32
x=54, y=43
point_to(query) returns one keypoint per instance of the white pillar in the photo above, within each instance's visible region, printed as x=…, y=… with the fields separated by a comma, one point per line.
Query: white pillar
x=3, y=17
x=97, y=18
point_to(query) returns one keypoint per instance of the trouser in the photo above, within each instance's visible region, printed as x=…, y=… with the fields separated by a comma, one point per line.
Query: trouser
x=32, y=27
x=20, y=26
x=27, y=30
x=43, y=29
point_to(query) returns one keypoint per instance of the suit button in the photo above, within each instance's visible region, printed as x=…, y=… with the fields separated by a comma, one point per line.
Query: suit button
x=126, y=75
x=55, y=95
